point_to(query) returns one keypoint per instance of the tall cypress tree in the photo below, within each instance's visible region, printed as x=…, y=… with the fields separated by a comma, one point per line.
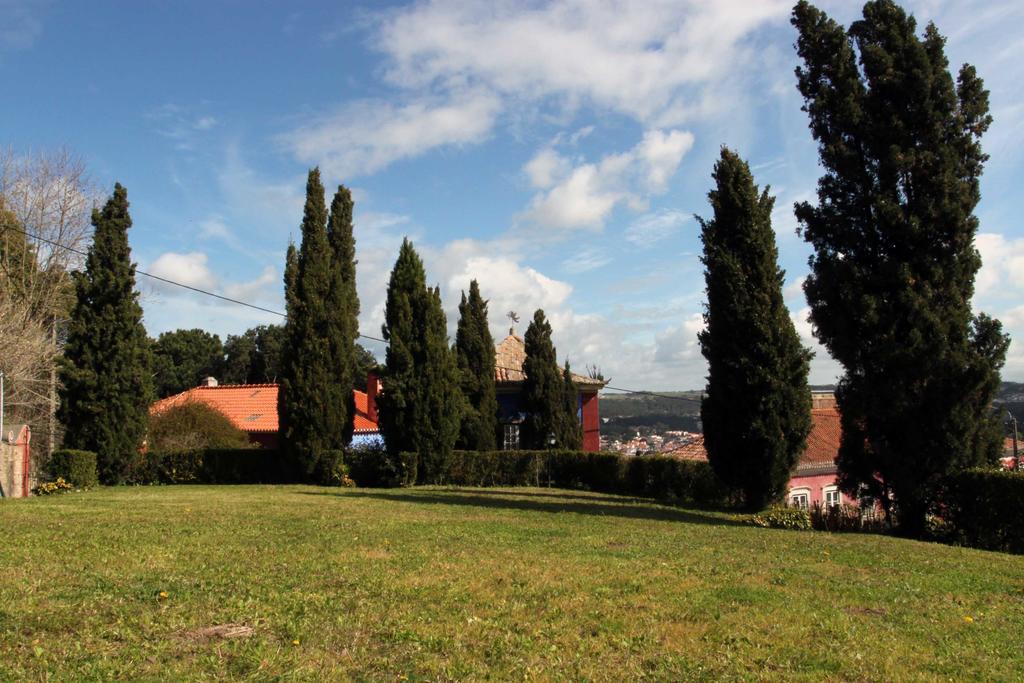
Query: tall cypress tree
x=474, y=353
x=309, y=413
x=756, y=409
x=438, y=398
x=107, y=385
x=397, y=404
x=342, y=309
x=543, y=392
x=569, y=434
x=419, y=408
x=892, y=274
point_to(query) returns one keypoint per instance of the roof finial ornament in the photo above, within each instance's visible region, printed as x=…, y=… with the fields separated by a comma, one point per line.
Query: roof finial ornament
x=514, y=317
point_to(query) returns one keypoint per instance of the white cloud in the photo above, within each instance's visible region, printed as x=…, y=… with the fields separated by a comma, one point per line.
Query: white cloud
x=586, y=260
x=364, y=137
x=651, y=228
x=253, y=289
x=545, y=168
x=585, y=196
x=188, y=269
x=1002, y=262
x=653, y=61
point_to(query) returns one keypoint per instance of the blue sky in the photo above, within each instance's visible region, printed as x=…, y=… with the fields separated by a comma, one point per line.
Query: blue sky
x=554, y=151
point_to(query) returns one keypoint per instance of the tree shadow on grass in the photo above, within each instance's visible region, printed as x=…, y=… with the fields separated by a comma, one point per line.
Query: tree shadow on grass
x=510, y=500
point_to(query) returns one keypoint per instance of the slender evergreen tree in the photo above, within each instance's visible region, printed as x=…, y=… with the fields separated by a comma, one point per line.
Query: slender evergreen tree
x=894, y=261
x=420, y=406
x=474, y=353
x=756, y=409
x=308, y=407
x=439, y=399
x=397, y=403
x=543, y=391
x=569, y=434
x=106, y=372
x=342, y=309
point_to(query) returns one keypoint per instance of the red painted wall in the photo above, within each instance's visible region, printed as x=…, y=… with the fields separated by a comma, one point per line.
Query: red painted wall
x=591, y=422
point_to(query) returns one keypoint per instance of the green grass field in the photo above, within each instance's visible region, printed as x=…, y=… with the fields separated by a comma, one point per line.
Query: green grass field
x=470, y=584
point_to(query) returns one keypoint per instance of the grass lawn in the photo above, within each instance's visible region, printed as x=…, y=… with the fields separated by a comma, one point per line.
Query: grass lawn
x=471, y=584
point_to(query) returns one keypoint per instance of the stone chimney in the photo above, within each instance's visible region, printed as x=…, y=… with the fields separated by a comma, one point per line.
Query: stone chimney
x=208, y=382
x=372, y=389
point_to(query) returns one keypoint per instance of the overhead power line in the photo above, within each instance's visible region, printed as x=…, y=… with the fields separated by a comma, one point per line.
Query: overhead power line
x=239, y=302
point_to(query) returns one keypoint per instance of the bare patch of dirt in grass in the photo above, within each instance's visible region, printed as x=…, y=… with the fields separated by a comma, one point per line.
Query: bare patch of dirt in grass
x=867, y=611
x=219, y=632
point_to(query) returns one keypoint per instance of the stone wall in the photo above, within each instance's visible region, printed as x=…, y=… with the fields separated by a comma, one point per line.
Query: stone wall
x=15, y=461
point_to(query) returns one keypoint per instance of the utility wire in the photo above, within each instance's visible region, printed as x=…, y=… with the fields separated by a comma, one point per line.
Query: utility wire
x=273, y=312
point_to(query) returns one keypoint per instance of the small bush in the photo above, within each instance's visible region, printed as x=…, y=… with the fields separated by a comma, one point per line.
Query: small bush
x=985, y=509
x=78, y=468
x=215, y=466
x=846, y=518
x=370, y=465
x=191, y=426
x=798, y=519
x=333, y=471
x=52, y=487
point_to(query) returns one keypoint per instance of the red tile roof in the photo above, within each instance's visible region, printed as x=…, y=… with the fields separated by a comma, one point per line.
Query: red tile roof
x=819, y=456
x=253, y=407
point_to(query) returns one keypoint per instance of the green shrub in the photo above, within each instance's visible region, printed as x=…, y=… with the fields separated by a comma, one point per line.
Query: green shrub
x=333, y=470
x=50, y=488
x=370, y=465
x=985, y=509
x=78, y=468
x=192, y=426
x=663, y=478
x=215, y=466
x=782, y=518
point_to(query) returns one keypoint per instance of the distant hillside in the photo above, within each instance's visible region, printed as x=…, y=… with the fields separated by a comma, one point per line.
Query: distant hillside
x=623, y=415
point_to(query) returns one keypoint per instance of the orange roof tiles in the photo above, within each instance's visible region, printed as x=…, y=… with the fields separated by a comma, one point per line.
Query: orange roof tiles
x=820, y=454
x=252, y=407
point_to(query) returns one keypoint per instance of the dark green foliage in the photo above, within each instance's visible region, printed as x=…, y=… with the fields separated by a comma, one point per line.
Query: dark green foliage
x=342, y=310
x=217, y=466
x=439, y=402
x=474, y=354
x=311, y=406
x=184, y=357
x=193, y=425
x=669, y=479
x=397, y=403
x=78, y=468
x=985, y=508
x=254, y=357
x=569, y=430
x=371, y=465
x=892, y=274
x=106, y=372
x=420, y=406
x=846, y=518
x=545, y=400
x=756, y=409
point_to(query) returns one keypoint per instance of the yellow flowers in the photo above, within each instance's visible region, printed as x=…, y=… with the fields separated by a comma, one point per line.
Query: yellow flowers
x=295, y=642
x=968, y=619
x=162, y=595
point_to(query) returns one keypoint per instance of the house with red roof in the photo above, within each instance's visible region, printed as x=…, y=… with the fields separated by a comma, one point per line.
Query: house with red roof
x=509, y=357
x=814, y=480
x=253, y=408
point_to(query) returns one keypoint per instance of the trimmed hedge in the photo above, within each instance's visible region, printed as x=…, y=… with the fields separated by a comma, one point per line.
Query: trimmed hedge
x=657, y=477
x=215, y=466
x=985, y=509
x=78, y=468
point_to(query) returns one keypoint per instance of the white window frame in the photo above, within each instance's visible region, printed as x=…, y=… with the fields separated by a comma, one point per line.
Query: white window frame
x=794, y=497
x=510, y=436
x=826, y=491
